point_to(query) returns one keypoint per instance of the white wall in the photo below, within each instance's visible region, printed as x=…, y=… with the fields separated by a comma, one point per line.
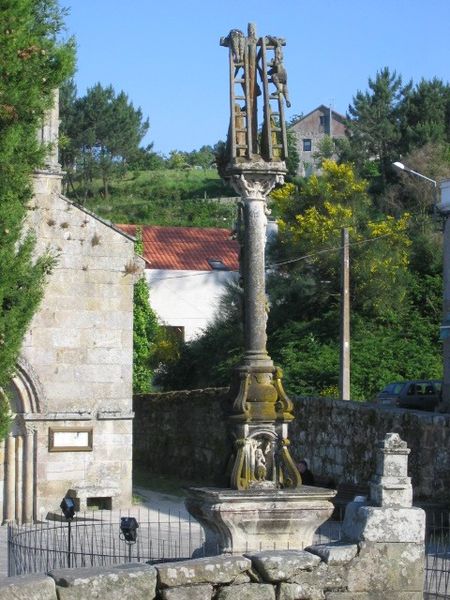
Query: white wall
x=187, y=299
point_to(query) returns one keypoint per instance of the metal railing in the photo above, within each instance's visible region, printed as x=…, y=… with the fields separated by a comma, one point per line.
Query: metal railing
x=95, y=539
x=437, y=550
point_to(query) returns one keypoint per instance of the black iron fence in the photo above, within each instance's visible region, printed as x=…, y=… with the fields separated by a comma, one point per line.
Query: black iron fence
x=437, y=549
x=96, y=539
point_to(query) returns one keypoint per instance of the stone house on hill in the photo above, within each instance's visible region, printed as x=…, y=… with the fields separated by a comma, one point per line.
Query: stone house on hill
x=72, y=392
x=186, y=270
x=310, y=130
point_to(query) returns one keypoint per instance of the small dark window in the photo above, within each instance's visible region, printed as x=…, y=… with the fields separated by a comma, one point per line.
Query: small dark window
x=307, y=145
x=217, y=265
x=99, y=503
x=324, y=126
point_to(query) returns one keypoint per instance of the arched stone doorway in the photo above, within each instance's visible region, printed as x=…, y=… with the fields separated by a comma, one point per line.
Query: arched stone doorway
x=18, y=498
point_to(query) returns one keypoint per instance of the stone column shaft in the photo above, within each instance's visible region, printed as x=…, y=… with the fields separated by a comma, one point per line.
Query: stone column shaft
x=28, y=475
x=19, y=478
x=10, y=496
x=255, y=301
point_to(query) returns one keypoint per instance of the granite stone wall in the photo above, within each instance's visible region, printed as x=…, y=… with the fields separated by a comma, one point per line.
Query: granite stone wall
x=72, y=393
x=328, y=572
x=184, y=434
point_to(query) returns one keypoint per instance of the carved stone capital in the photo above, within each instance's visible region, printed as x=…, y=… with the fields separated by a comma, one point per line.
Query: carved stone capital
x=255, y=185
x=30, y=428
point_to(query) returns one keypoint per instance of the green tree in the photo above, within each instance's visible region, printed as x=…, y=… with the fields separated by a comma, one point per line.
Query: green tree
x=395, y=295
x=427, y=115
x=33, y=63
x=106, y=134
x=293, y=158
x=375, y=123
x=68, y=130
x=306, y=284
x=326, y=150
x=204, y=157
x=310, y=221
x=146, y=159
x=177, y=160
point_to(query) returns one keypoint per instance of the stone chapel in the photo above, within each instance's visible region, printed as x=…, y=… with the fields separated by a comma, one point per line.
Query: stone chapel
x=72, y=391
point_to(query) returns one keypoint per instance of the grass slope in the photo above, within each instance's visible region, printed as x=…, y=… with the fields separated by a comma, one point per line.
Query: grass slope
x=184, y=197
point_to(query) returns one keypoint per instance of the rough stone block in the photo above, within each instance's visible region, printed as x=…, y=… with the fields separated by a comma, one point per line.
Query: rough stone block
x=391, y=491
x=374, y=596
x=191, y=592
x=383, y=524
x=246, y=578
x=299, y=591
x=215, y=569
x=393, y=465
x=132, y=581
x=282, y=565
x=325, y=577
x=247, y=591
x=335, y=553
x=382, y=567
x=31, y=587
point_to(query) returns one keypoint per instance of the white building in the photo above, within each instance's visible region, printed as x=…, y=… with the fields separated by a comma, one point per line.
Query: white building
x=186, y=270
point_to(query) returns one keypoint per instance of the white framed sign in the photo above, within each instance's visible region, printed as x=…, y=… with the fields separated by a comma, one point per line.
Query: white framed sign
x=70, y=439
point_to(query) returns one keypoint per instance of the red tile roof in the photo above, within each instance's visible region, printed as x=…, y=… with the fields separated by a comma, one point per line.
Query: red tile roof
x=186, y=248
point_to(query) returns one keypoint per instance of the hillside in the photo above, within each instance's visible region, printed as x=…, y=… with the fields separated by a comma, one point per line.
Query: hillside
x=175, y=197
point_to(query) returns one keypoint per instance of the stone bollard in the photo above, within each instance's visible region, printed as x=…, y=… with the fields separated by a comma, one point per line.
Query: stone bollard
x=389, y=531
x=391, y=485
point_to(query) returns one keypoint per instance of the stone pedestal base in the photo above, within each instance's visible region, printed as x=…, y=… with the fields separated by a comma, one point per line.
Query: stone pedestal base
x=254, y=520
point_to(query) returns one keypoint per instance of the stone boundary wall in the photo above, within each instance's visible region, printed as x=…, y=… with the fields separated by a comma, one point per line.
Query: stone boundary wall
x=338, y=571
x=184, y=434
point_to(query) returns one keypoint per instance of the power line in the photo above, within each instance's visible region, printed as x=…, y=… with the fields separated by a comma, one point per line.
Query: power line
x=326, y=250
x=281, y=263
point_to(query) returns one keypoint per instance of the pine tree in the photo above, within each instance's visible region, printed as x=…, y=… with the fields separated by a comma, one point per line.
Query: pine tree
x=32, y=65
x=105, y=130
x=427, y=115
x=375, y=123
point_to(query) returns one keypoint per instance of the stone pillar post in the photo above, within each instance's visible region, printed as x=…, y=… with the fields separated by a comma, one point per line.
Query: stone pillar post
x=49, y=134
x=265, y=506
x=254, y=286
x=18, y=479
x=28, y=476
x=48, y=179
x=389, y=531
x=10, y=496
x=260, y=410
x=253, y=189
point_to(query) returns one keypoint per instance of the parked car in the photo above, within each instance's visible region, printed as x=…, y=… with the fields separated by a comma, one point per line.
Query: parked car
x=421, y=394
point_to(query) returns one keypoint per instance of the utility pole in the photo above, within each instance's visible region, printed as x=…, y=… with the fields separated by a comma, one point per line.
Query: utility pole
x=444, y=209
x=344, y=366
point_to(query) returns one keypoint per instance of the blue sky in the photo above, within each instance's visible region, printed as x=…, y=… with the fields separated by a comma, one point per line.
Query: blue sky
x=165, y=54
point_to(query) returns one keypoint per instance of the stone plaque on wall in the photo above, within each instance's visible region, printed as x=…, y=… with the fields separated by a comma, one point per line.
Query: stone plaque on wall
x=70, y=439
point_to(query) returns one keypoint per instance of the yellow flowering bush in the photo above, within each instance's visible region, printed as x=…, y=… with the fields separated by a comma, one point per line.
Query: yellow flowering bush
x=311, y=218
